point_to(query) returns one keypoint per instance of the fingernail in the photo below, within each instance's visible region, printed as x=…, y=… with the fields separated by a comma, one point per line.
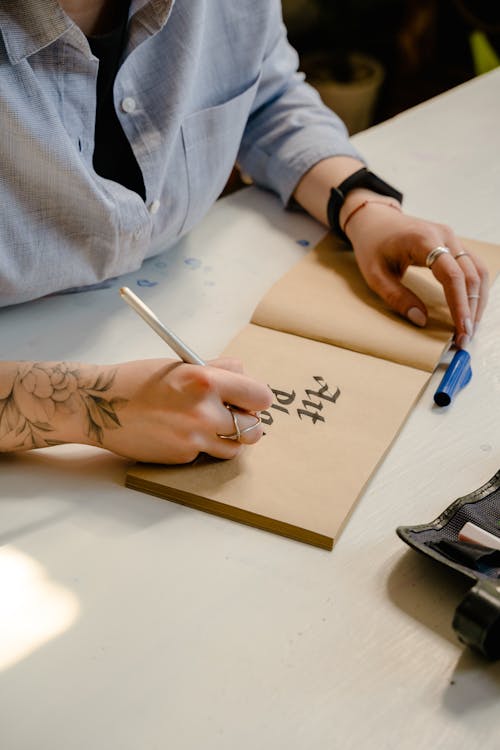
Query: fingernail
x=468, y=327
x=463, y=341
x=416, y=316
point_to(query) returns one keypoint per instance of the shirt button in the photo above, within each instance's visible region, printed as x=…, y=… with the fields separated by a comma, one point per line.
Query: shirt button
x=154, y=207
x=128, y=104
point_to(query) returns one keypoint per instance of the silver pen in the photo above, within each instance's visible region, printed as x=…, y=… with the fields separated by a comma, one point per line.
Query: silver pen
x=174, y=342
x=186, y=354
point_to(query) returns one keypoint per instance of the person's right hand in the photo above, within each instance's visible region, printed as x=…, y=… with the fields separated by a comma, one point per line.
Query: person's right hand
x=175, y=411
x=155, y=410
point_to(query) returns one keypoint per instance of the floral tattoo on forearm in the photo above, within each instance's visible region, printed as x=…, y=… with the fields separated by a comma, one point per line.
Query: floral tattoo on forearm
x=37, y=394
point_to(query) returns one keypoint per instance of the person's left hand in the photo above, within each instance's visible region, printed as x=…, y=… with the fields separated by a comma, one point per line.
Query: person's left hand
x=387, y=241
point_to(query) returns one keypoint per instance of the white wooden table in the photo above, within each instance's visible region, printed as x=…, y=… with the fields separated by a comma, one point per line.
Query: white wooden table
x=127, y=622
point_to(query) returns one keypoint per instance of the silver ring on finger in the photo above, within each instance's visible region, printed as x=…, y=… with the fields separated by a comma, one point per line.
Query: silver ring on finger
x=461, y=254
x=473, y=296
x=435, y=253
x=236, y=435
x=237, y=431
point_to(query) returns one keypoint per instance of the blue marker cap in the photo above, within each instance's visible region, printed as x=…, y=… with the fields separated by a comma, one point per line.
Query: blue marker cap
x=457, y=375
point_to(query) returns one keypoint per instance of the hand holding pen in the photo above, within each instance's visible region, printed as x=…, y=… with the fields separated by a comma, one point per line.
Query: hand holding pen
x=213, y=408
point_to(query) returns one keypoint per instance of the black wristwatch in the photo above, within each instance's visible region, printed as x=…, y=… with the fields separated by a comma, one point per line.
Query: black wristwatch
x=363, y=178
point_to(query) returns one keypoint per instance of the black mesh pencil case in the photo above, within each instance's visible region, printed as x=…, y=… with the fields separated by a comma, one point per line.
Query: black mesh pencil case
x=466, y=537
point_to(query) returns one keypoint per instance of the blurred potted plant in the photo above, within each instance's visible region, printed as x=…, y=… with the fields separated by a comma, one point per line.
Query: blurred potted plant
x=347, y=78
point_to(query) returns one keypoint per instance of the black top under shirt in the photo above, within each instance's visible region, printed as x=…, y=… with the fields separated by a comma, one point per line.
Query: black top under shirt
x=113, y=156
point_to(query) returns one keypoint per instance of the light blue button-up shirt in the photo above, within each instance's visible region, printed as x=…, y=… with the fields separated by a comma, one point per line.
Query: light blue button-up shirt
x=203, y=84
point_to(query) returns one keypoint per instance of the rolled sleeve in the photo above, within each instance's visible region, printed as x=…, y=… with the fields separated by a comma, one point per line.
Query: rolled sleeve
x=290, y=129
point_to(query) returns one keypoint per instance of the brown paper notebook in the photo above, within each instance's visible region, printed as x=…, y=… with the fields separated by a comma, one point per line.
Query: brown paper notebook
x=345, y=372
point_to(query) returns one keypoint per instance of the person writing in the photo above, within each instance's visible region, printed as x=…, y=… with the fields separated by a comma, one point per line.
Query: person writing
x=121, y=122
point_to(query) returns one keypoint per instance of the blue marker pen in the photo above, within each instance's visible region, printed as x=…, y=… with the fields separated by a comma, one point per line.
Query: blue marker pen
x=457, y=375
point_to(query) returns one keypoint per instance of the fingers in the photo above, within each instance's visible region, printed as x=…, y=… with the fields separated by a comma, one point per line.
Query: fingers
x=387, y=285
x=244, y=428
x=244, y=393
x=242, y=396
x=447, y=271
x=243, y=399
x=465, y=283
x=172, y=411
x=237, y=428
x=464, y=277
x=225, y=407
x=477, y=282
x=241, y=391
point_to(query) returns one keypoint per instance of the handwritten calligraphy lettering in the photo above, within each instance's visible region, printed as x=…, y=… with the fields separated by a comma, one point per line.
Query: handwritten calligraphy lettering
x=323, y=391
x=282, y=397
x=312, y=414
x=312, y=405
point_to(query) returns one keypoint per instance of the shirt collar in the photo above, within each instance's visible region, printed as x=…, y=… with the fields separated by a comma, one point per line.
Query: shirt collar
x=152, y=13
x=29, y=26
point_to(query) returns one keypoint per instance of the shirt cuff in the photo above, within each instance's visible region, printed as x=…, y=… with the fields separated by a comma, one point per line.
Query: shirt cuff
x=282, y=171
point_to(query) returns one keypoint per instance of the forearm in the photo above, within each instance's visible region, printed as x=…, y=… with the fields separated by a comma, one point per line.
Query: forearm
x=47, y=403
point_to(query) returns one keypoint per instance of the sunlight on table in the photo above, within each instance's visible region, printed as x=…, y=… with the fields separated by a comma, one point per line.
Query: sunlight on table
x=33, y=609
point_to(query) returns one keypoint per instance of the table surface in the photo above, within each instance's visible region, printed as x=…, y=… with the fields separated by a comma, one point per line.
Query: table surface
x=130, y=622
